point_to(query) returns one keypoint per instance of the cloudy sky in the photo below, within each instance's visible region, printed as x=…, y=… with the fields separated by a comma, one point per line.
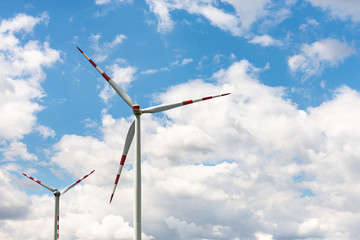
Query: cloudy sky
x=279, y=158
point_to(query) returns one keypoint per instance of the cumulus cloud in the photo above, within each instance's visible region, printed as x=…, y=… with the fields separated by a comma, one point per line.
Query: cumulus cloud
x=273, y=142
x=13, y=203
x=265, y=41
x=160, y=8
x=17, y=151
x=235, y=16
x=249, y=12
x=236, y=22
x=229, y=168
x=46, y=132
x=102, y=51
x=21, y=67
x=341, y=9
x=321, y=54
x=22, y=22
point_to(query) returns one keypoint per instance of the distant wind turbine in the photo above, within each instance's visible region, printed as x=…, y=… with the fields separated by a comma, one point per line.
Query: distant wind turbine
x=57, y=194
x=135, y=130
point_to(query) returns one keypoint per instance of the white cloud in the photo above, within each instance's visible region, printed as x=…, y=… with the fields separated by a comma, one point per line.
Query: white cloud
x=311, y=227
x=17, y=150
x=13, y=203
x=46, y=132
x=21, y=74
x=101, y=2
x=22, y=22
x=159, y=7
x=319, y=55
x=342, y=9
x=219, y=18
x=187, y=230
x=228, y=168
x=102, y=51
x=104, y=2
x=236, y=22
x=186, y=61
x=263, y=236
x=265, y=41
x=309, y=23
x=149, y=71
x=183, y=62
x=123, y=76
x=153, y=71
x=249, y=12
x=111, y=227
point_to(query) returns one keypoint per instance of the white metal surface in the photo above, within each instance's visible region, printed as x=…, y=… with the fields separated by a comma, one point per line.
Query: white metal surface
x=137, y=182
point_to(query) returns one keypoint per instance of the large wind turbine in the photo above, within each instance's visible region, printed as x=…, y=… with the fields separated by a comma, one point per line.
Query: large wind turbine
x=57, y=194
x=135, y=130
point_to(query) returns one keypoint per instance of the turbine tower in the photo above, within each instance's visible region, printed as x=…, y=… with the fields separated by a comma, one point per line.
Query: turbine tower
x=57, y=194
x=135, y=130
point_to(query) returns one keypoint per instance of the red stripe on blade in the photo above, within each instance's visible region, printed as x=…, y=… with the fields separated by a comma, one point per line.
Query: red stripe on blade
x=206, y=98
x=92, y=63
x=117, y=179
x=123, y=157
x=187, y=102
x=38, y=181
x=78, y=181
x=111, y=197
x=225, y=94
x=106, y=76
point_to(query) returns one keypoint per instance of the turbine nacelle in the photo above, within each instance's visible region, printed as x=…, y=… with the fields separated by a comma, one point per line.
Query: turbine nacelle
x=136, y=109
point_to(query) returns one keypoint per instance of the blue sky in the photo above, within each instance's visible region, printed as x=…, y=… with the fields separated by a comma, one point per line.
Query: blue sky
x=276, y=159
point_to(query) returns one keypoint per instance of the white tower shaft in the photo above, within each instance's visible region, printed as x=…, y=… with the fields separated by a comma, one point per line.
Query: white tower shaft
x=137, y=180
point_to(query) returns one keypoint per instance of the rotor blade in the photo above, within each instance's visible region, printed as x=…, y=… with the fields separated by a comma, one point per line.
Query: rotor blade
x=118, y=89
x=129, y=138
x=72, y=185
x=165, y=107
x=39, y=182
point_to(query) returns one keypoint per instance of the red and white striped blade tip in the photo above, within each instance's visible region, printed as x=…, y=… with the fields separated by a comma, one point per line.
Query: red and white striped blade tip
x=39, y=182
x=165, y=107
x=76, y=182
x=118, y=89
x=79, y=49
